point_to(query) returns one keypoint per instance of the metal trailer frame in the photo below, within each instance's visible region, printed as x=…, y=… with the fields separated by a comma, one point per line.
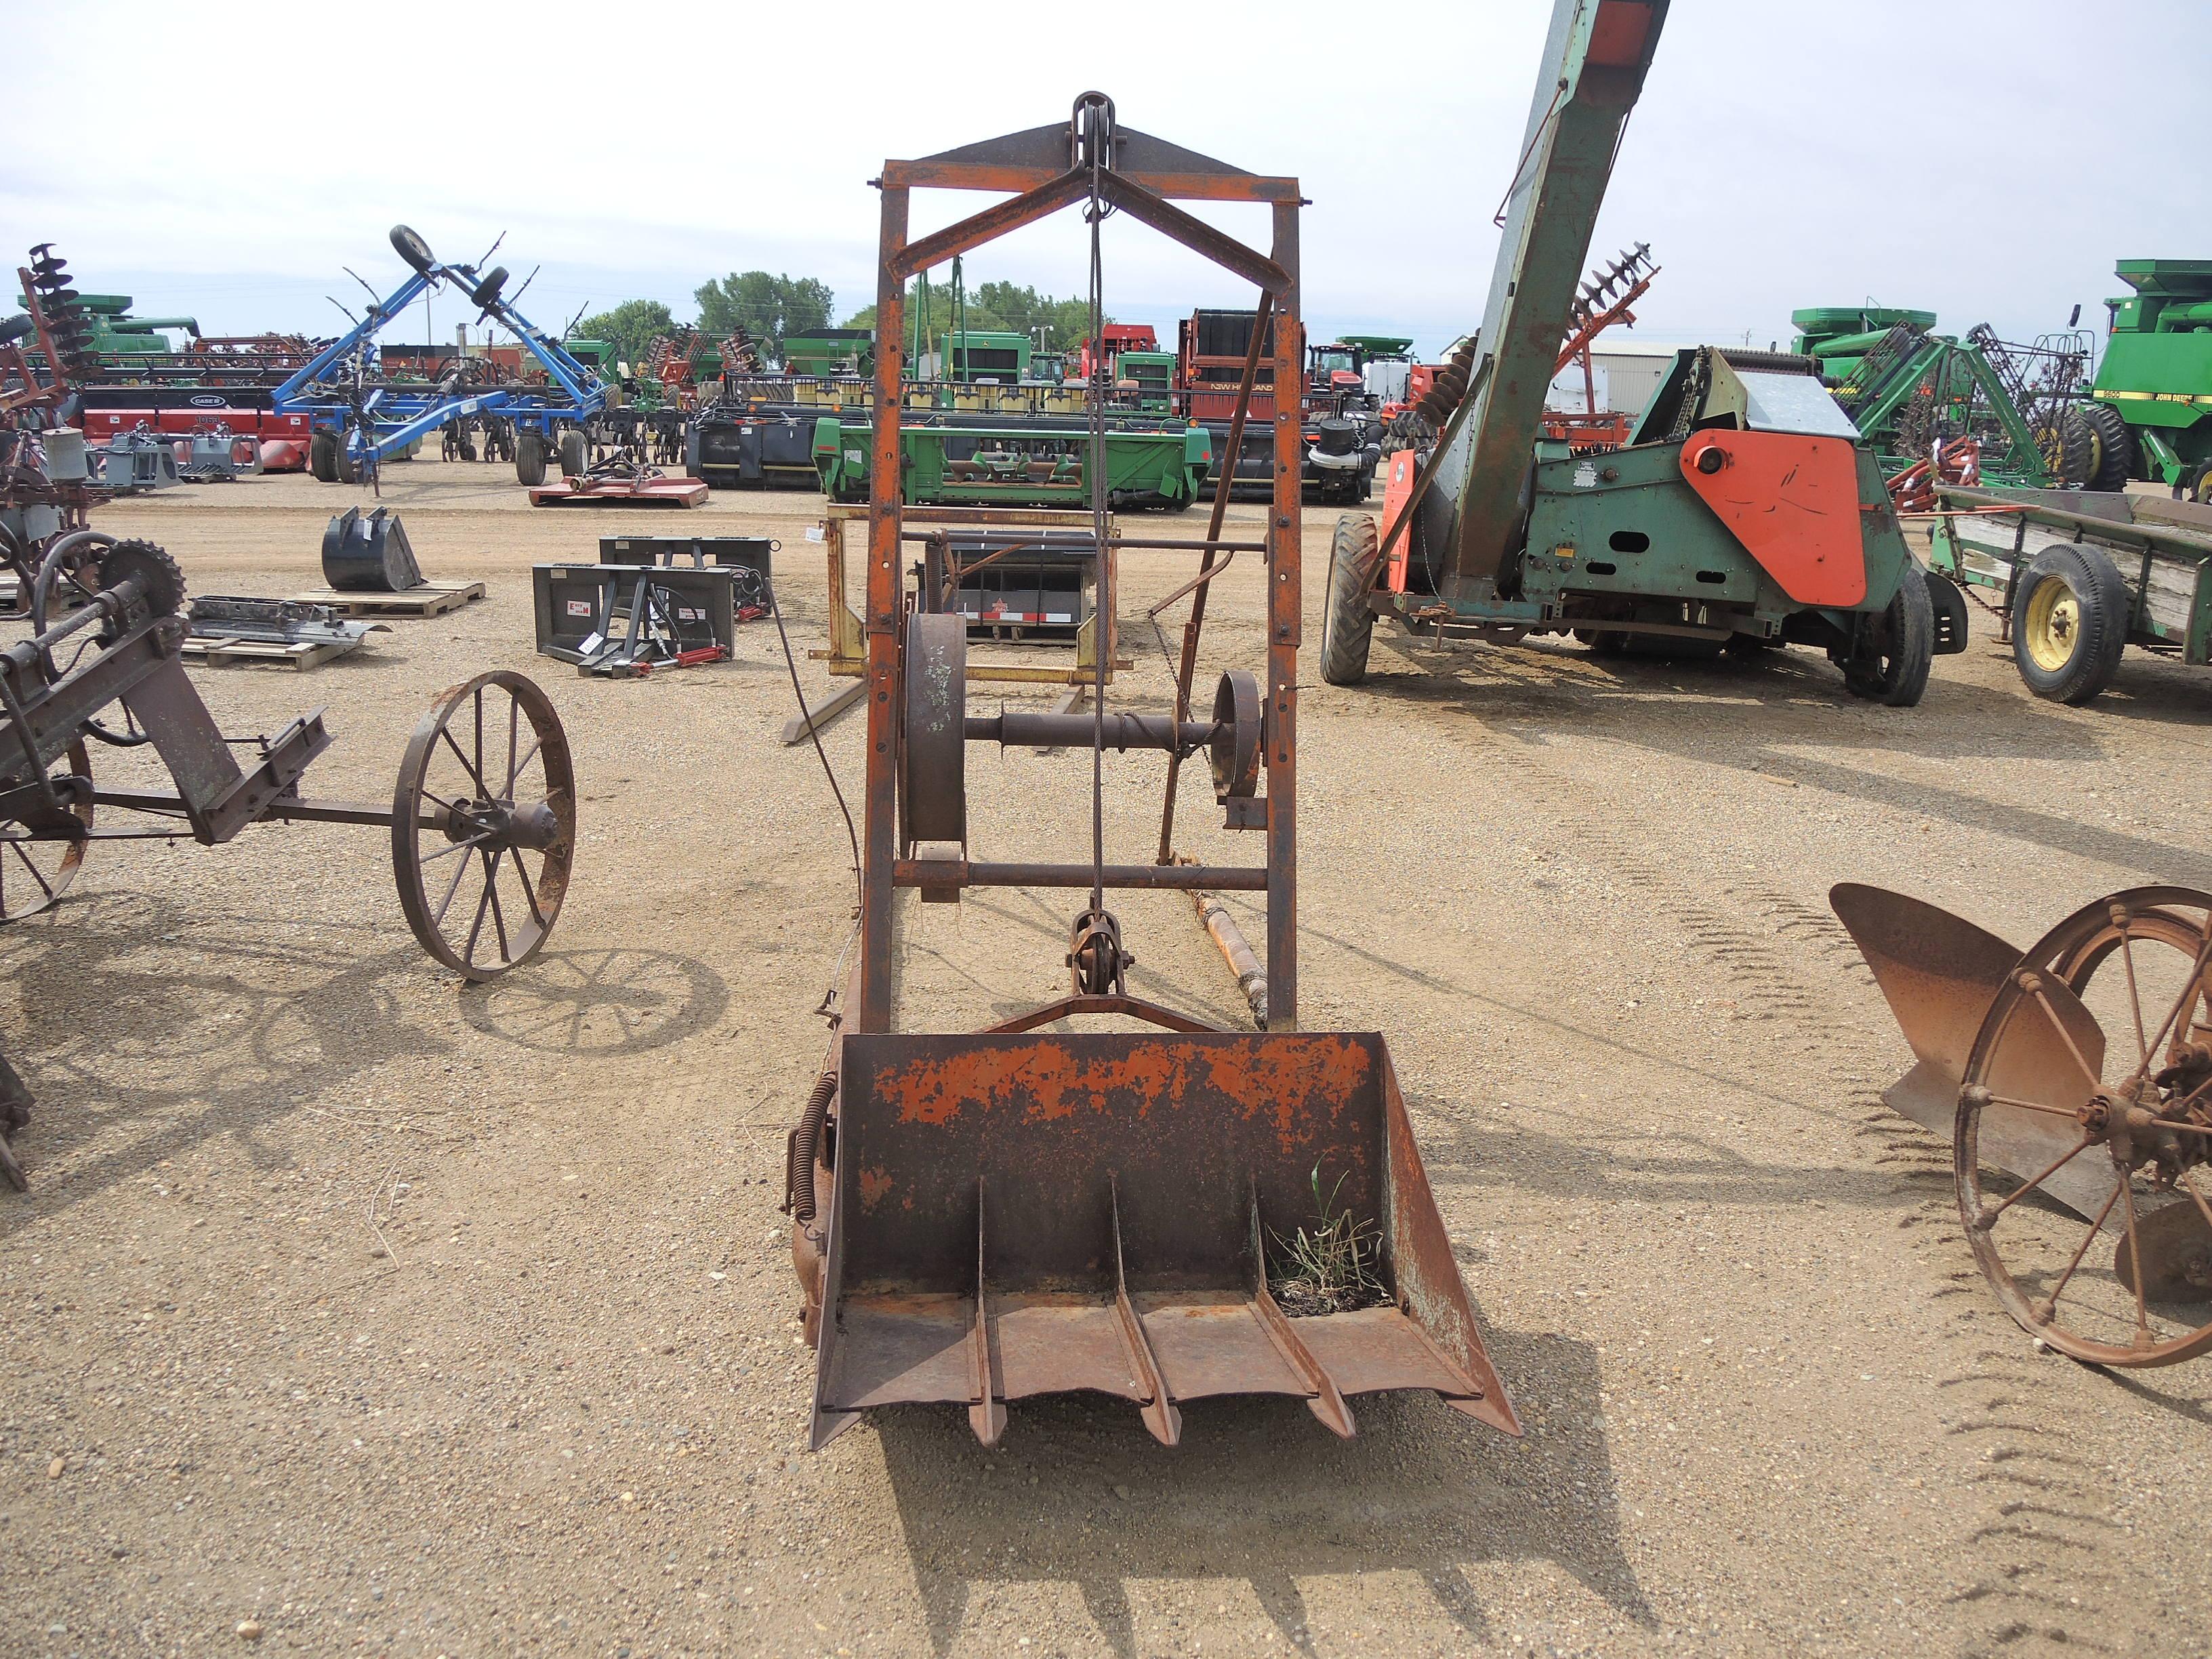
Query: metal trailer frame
x=2160, y=552
x=389, y=418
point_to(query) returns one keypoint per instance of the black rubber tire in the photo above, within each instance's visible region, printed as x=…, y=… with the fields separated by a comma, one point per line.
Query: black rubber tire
x=2099, y=631
x=1347, y=626
x=576, y=453
x=1899, y=675
x=2197, y=486
x=1604, y=642
x=412, y=248
x=468, y=450
x=1751, y=646
x=2071, y=450
x=529, y=459
x=344, y=468
x=323, y=456
x=2115, y=448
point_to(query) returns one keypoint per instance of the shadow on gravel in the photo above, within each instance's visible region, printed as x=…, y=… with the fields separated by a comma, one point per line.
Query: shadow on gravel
x=1260, y=1493
x=1771, y=724
x=145, y=1026
x=598, y=1004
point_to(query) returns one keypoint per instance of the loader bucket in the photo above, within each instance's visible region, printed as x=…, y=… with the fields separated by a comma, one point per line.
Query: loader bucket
x=1022, y=1214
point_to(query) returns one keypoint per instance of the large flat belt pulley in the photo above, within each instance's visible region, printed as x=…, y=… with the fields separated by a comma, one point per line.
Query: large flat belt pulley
x=934, y=734
x=1234, y=755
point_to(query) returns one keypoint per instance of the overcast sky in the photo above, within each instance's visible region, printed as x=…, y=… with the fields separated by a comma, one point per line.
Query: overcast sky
x=1980, y=158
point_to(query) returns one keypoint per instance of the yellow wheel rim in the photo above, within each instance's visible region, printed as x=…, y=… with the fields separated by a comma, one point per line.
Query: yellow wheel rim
x=2053, y=630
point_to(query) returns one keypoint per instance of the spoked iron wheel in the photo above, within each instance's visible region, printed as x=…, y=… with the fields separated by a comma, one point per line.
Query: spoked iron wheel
x=36, y=869
x=484, y=825
x=2093, y=1068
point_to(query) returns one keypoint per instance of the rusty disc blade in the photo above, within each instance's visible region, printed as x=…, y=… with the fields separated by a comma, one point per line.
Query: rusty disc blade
x=2047, y=1049
x=1939, y=973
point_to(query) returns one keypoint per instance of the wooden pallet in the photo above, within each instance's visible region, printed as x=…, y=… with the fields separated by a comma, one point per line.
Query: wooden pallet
x=299, y=655
x=430, y=600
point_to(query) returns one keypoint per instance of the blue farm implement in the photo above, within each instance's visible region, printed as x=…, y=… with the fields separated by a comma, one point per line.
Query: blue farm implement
x=360, y=416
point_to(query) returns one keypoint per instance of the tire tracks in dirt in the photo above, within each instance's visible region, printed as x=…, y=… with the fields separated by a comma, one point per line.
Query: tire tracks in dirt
x=2038, y=1550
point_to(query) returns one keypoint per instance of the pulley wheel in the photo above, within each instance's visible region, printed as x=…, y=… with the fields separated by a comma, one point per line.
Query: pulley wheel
x=1234, y=755
x=483, y=824
x=933, y=730
x=2093, y=1069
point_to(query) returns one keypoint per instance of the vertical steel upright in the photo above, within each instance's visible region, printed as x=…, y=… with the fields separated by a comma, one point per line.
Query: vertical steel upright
x=1042, y=171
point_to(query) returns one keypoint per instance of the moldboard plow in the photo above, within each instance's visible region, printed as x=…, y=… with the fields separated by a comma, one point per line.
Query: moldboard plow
x=1163, y=1212
x=2074, y=1079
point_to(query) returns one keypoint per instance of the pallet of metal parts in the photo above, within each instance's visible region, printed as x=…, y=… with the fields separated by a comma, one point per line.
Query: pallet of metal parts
x=2074, y=1080
x=135, y=462
x=607, y=618
x=992, y=1215
x=621, y=479
x=217, y=455
x=370, y=554
x=752, y=557
x=226, y=628
x=482, y=822
x=423, y=599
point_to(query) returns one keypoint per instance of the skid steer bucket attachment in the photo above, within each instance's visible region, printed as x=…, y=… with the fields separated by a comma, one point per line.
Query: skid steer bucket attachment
x=1022, y=1214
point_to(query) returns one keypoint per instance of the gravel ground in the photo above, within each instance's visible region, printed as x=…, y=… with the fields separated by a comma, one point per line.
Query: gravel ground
x=356, y=1311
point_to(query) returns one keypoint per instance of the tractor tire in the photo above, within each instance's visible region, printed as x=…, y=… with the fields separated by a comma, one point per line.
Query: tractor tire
x=323, y=456
x=343, y=467
x=529, y=459
x=1898, y=674
x=2196, y=485
x=1347, y=626
x=2070, y=623
x=2115, y=448
x=576, y=453
x=2069, y=447
x=413, y=249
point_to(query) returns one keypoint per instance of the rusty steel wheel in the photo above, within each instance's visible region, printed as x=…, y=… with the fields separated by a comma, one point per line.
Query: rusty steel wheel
x=486, y=791
x=36, y=865
x=2093, y=1068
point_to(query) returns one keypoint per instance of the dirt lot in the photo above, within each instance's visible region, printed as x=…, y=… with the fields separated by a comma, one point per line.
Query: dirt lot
x=391, y=1316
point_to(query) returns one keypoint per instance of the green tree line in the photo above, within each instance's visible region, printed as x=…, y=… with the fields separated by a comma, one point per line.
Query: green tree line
x=772, y=308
